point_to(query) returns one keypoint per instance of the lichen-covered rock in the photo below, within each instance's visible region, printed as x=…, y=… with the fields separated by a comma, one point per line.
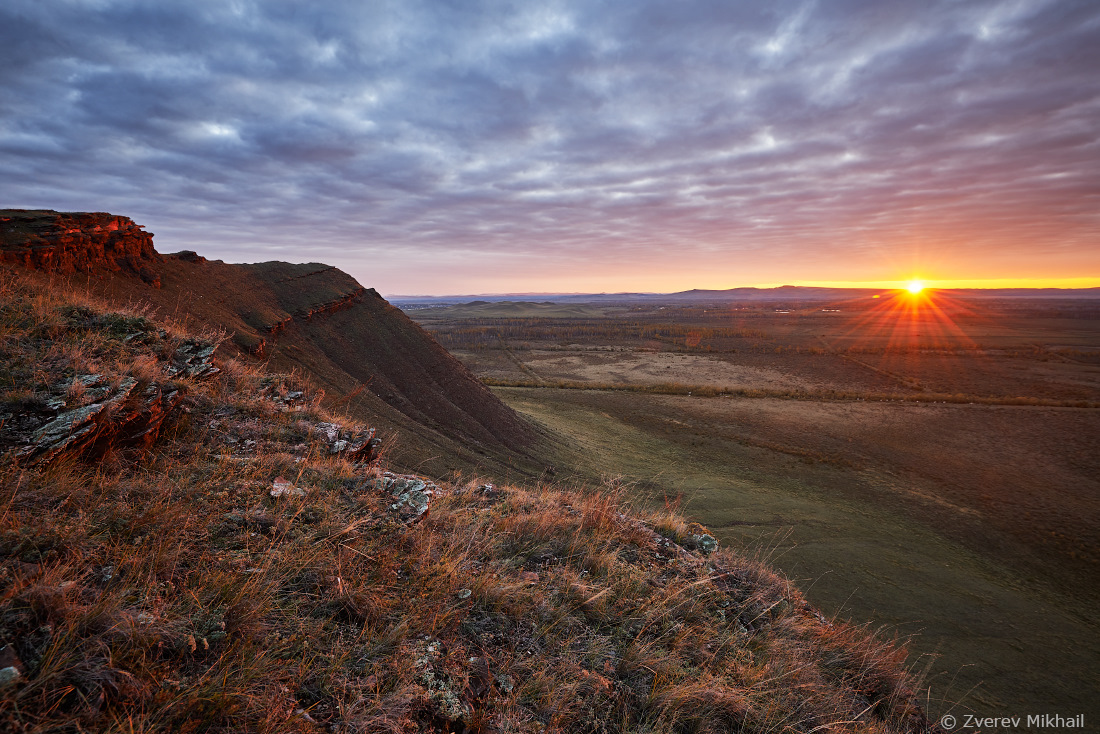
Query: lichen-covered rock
x=9, y=675
x=704, y=542
x=443, y=695
x=412, y=495
x=357, y=446
x=122, y=416
x=282, y=488
x=73, y=430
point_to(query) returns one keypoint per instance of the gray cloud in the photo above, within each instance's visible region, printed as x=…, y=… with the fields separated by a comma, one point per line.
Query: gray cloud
x=452, y=146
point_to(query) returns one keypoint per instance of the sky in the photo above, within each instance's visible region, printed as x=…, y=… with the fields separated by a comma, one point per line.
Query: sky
x=459, y=147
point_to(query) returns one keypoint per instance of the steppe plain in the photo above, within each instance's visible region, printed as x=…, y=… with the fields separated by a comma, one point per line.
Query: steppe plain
x=927, y=465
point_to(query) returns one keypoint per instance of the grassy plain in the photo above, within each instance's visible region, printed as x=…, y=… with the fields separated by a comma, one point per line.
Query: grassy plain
x=923, y=464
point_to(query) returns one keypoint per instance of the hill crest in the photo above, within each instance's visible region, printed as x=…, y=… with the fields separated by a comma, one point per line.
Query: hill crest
x=372, y=361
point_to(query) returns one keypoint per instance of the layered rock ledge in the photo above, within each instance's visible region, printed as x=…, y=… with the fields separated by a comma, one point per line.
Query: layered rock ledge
x=69, y=242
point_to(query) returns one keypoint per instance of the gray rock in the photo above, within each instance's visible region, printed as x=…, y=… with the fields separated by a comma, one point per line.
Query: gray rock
x=66, y=424
x=355, y=446
x=705, y=543
x=9, y=658
x=9, y=675
x=283, y=488
x=193, y=359
x=412, y=495
x=505, y=682
x=441, y=689
x=329, y=430
x=71, y=428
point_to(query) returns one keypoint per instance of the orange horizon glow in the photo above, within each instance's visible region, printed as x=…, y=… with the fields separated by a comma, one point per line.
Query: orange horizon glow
x=595, y=282
x=943, y=284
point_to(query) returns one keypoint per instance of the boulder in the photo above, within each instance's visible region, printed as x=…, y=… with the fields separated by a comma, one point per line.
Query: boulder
x=357, y=446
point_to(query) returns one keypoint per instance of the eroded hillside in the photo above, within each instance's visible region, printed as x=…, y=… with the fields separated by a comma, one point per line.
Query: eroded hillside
x=372, y=362
x=251, y=566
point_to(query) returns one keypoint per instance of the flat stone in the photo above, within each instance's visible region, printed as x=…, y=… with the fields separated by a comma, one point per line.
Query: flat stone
x=282, y=488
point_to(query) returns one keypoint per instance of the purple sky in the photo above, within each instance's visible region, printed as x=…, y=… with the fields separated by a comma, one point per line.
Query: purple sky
x=465, y=147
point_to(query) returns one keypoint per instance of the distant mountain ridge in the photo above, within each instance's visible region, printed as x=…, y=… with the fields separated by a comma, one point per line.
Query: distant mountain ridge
x=780, y=293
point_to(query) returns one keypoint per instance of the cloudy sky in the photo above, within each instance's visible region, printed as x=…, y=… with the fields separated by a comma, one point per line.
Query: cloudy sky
x=460, y=146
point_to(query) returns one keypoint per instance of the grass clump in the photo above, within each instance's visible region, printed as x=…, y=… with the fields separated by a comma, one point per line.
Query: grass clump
x=242, y=576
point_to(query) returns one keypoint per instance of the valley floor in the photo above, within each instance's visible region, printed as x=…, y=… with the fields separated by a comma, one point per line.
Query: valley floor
x=868, y=538
x=944, y=488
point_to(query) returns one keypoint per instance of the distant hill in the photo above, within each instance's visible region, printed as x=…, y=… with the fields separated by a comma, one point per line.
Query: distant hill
x=523, y=309
x=781, y=293
x=373, y=362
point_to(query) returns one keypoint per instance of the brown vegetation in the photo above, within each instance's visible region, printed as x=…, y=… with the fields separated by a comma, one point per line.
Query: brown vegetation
x=492, y=333
x=243, y=575
x=711, y=391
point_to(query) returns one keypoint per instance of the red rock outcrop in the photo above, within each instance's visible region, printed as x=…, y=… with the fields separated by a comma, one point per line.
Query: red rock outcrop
x=68, y=242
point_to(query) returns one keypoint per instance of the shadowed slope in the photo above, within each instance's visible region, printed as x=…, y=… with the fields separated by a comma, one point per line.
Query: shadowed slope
x=372, y=361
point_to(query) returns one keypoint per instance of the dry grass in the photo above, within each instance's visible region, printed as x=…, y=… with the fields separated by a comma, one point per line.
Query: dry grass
x=711, y=391
x=169, y=591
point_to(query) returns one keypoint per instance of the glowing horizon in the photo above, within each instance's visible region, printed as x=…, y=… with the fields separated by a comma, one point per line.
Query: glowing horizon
x=950, y=284
x=927, y=285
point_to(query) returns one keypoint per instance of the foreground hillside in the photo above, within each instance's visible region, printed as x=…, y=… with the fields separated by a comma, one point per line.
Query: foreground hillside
x=215, y=552
x=371, y=361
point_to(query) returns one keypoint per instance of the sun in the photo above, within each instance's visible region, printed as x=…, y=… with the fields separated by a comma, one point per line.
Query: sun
x=915, y=287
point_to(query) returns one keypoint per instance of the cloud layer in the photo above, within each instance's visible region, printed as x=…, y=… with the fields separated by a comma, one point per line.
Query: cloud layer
x=503, y=146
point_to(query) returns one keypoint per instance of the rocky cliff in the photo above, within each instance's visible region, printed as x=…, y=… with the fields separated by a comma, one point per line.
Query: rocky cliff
x=68, y=242
x=373, y=362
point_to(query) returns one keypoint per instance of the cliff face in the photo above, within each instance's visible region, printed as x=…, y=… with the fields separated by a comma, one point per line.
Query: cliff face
x=372, y=361
x=68, y=242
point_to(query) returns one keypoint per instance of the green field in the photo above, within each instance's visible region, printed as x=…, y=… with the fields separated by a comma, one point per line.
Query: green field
x=968, y=525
